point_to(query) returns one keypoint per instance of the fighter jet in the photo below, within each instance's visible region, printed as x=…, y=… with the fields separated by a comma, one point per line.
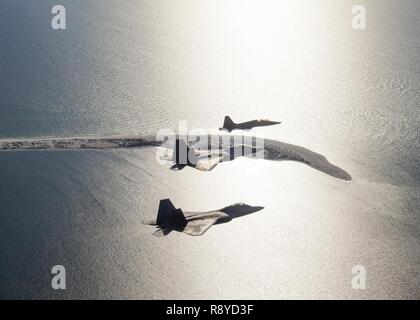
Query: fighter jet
x=185, y=156
x=206, y=160
x=229, y=125
x=195, y=223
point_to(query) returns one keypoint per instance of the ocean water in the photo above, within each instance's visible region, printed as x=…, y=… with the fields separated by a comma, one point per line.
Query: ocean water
x=134, y=67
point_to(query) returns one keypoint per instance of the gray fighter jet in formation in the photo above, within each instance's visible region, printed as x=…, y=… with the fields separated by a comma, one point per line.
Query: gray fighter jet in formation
x=195, y=223
x=206, y=160
x=229, y=125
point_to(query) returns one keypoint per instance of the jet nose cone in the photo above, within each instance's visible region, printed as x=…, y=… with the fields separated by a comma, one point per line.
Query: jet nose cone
x=241, y=209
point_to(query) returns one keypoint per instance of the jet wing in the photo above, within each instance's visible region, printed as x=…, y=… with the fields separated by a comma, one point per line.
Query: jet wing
x=248, y=124
x=161, y=232
x=198, y=227
x=208, y=164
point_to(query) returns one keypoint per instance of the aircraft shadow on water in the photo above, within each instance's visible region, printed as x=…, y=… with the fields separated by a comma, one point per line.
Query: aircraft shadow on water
x=195, y=223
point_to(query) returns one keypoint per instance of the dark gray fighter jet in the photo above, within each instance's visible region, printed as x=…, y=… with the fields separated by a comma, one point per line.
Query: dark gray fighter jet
x=206, y=160
x=229, y=125
x=195, y=223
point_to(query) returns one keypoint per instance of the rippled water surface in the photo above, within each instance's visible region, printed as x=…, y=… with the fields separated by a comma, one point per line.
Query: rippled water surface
x=133, y=67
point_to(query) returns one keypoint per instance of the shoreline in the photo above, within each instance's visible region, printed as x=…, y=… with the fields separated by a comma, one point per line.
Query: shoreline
x=273, y=150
